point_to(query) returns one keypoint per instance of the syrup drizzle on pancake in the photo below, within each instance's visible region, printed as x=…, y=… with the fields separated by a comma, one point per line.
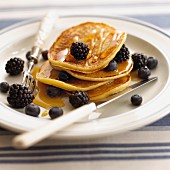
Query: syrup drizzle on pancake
x=95, y=41
x=123, y=69
x=103, y=41
x=49, y=75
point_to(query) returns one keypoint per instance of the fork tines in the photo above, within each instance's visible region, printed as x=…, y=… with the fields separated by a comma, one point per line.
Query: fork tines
x=28, y=81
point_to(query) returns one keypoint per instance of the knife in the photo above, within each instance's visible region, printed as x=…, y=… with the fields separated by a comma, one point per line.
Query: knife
x=129, y=89
x=30, y=138
x=103, y=102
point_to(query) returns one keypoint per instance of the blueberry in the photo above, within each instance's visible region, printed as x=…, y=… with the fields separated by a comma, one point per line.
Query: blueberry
x=45, y=54
x=136, y=100
x=64, y=76
x=111, y=66
x=144, y=73
x=32, y=110
x=152, y=62
x=4, y=87
x=55, y=112
x=28, y=55
x=53, y=91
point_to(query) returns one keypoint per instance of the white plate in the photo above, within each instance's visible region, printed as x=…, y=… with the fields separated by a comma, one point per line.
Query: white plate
x=117, y=117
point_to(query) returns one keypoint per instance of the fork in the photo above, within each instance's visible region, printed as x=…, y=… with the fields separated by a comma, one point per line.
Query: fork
x=44, y=30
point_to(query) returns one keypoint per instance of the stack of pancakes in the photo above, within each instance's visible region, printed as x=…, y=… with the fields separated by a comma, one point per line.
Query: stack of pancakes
x=88, y=75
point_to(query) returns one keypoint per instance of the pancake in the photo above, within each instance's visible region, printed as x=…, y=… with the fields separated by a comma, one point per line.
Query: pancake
x=49, y=75
x=110, y=88
x=95, y=89
x=103, y=41
x=124, y=68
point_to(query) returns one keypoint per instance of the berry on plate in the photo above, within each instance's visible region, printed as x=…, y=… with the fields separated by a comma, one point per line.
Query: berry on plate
x=44, y=54
x=136, y=100
x=19, y=96
x=55, y=112
x=152, y=62
x=78, y=98
x=4, y=87
x=28, y=57
x=139, y=60
x=14, y=66
x=53, y=91
x=32, y=110
x=144, y=73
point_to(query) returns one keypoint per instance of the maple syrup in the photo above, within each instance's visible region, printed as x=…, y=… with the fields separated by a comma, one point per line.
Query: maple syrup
x=123, y=68
x=95, y=41
x=41, y=98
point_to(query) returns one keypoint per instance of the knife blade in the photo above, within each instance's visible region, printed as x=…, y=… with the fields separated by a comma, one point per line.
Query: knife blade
x=129, y=89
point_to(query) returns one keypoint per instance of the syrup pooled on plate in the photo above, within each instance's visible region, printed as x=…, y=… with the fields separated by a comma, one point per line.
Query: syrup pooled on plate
x=41, y=98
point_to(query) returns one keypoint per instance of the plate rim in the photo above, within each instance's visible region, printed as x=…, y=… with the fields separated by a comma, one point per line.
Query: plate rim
x=124, y=18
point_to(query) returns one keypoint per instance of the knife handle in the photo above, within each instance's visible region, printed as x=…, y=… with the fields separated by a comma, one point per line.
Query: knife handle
x=30, y=138
x=44, y=30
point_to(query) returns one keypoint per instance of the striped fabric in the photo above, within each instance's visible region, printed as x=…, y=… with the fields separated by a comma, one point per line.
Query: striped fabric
x=143, y=149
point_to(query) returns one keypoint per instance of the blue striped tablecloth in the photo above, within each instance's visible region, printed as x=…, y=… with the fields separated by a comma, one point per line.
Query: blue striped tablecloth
x=143, y=149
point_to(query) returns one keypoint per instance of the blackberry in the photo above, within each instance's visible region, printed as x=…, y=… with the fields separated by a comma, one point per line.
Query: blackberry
x=64, y=76
x=14, y=66
x=32, y=110
x=55, y=112
x=152, y=62
x=4, y=87
x=122, y=55
x=144, y=73
x=28, y=57
x=139, y=60
x=19, y=96
x=79, y=50
x=53, y=91
x=45, y=54
x=136, y=100
x=111, y=66
x=78, y=98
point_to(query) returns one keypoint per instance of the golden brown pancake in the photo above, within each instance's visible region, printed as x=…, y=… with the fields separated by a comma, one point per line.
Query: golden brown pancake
x=103, y=41
x=88, y=75
x=110, y=88
x=49, y=75
x=95, y=89
x=124, y=68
